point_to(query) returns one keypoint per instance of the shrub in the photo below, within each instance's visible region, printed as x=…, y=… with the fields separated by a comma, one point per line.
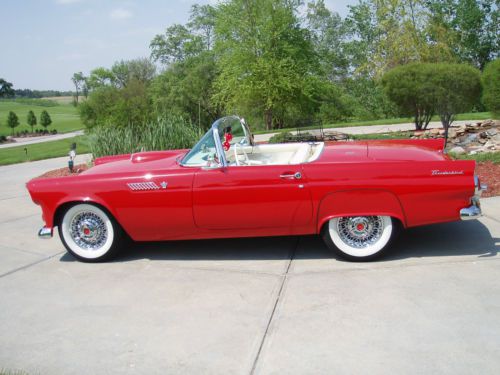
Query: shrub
x=282, y=137
x=422, y=89
x=408, y=86
x=45, y=119
x=456, y=88
x=12, y=121
x=31, y=120
x=163, y=134
x=491, y=87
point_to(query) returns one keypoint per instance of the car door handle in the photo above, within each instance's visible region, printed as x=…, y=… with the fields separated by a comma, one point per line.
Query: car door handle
x=291, y=176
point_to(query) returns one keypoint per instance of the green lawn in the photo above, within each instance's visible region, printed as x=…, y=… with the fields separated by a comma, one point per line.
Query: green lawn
x=45, y=150
x=64, y=117
x=390, y=121
x=494, y=157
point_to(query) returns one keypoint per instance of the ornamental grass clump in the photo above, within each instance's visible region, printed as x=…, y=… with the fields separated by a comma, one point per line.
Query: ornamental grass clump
x=166, y=133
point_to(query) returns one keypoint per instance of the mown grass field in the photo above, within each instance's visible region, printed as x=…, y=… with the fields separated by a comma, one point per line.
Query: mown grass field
x=64, y=117
x=44, y=150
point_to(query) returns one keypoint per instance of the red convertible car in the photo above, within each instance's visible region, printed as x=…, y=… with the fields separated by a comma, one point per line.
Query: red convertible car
x=356, y=195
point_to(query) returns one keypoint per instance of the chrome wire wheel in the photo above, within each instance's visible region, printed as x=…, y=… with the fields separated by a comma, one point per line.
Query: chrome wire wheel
x=360, y=231
x=87, y=232
x=360, y=237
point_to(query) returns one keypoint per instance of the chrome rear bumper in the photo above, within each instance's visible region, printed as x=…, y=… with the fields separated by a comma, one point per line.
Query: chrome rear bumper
x=474, y=210
x=45, y=233
x=471, y=212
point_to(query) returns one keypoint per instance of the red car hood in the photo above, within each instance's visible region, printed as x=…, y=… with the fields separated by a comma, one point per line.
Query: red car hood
x=135, y=162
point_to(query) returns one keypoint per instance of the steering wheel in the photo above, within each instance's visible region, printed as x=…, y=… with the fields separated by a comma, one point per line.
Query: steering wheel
x=235, y=149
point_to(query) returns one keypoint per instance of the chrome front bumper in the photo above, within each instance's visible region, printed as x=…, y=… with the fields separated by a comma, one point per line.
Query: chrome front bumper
x=45, y=233
x=474, y=210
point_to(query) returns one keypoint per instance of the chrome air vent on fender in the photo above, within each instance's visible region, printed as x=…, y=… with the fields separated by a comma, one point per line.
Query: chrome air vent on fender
x=143, y=186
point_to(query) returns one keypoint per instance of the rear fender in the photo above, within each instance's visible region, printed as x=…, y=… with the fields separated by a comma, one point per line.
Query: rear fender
x=359, y=202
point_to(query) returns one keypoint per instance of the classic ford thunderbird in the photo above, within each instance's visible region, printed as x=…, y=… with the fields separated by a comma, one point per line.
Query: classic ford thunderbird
x=356, y=195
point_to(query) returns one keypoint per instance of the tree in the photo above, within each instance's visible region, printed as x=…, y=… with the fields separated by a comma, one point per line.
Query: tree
x=31, y=119
x=329, y=35
x=265, y=58
x=176, y=44
x=79, y=81
x=12, y=121
x=491, y=87
x=142, y=70
x=6, y=90
x=470, y=26
x=45, y=119
x=410, y=87
x=456, y=88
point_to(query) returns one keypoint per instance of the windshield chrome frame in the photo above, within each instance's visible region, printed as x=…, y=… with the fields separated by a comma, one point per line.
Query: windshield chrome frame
x=218, y=143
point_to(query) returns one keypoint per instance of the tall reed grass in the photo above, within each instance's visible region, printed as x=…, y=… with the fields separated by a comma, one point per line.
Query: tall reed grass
x=166, y=133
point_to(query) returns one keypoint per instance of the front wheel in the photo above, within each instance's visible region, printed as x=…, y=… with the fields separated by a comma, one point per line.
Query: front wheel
x=359, y=238
x=89, y=233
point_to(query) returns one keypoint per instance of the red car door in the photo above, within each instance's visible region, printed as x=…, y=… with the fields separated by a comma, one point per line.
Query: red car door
x=248, y=197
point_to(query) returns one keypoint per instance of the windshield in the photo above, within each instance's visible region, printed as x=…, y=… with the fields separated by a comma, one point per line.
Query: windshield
x=229, y=131
x=203, y=153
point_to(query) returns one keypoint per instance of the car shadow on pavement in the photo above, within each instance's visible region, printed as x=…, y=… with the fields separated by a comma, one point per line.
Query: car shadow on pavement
x=449, y=239
x=439, y=240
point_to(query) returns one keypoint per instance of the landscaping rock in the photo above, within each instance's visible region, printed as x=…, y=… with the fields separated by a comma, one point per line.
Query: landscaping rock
x=457, y=150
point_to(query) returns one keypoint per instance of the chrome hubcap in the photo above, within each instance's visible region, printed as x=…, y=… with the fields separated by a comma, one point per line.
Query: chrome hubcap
x=88, y=230
x=360, y=231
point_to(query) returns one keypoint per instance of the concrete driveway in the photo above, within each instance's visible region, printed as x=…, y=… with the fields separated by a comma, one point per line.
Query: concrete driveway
x=243, y=306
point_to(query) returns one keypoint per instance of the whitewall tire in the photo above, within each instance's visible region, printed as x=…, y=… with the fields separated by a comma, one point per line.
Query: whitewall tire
x=89, y=233
x=359, y=238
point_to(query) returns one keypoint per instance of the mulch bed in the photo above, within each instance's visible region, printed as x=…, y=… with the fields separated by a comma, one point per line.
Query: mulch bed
x=62, y=172
x=488, y=173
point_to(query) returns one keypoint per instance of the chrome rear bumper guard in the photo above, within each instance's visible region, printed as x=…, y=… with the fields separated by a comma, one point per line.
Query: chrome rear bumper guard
x=474, y=210
x=45, y=233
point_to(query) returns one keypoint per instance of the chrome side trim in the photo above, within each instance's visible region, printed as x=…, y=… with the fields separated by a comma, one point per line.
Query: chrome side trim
x=45, y=233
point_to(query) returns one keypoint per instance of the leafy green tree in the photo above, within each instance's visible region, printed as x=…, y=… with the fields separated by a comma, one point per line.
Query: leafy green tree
x=45, y=119
x=202, y=23
x=100, y=77
x=265, y=58
x=78, y=80
x=470, y=26
x=329, y=35
x=12, y=121
x=456, y=88
x=6, y=90
x=491, y=87
x=31, y=120
x=186, y=89
x=410, y=87
x=142, y=70
x=175, y=45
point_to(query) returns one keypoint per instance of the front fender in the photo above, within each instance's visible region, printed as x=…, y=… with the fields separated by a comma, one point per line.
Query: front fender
x=359, y=202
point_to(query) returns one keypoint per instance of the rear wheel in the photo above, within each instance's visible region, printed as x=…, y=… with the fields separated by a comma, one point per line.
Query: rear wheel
x=89, y=233
x=359, y=238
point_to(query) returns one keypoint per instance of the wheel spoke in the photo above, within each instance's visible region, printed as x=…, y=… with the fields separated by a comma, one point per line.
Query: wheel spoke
x=88, y=230
x=360, y=231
